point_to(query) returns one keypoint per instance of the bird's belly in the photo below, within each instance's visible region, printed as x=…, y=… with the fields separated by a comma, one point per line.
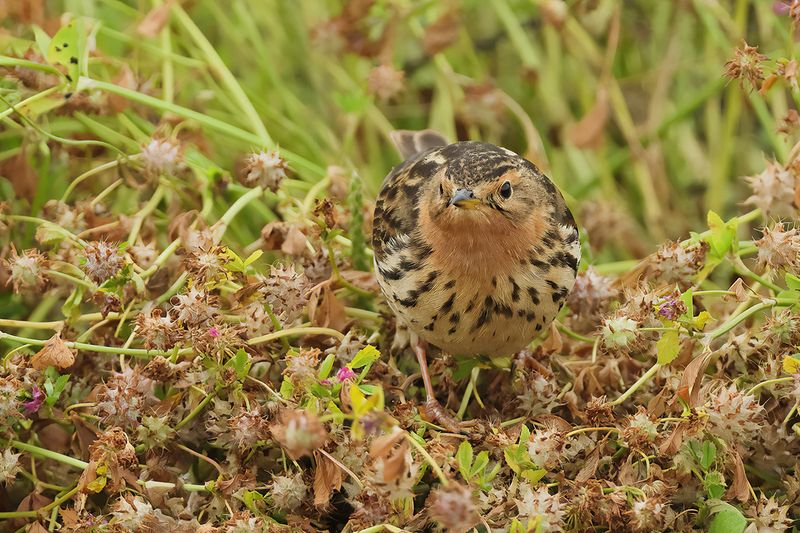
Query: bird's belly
x=467, y=316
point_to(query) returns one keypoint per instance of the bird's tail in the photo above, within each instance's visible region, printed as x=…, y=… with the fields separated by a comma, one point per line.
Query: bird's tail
x=409, y=142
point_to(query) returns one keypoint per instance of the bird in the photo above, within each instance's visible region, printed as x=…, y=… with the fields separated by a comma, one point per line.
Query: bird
x=475, y=250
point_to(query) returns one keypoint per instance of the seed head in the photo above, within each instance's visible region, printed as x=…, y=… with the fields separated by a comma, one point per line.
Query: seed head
x=774, y=191
x=102, y=260
x=386, y=82
x=619, y=332
x=158, y=330
x=746, y=66
x=286, y=292
x=779, y=249
x=288, y=492
x=195, y=307
x=265, y=168
x=161, y=156
x=539, y=503
x=453, y=508
x=299, y=432
x=27, y=270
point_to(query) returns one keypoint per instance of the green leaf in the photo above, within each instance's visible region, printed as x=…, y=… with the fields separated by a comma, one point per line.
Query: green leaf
x=792, y=281
x=714, y=484
x=729, y=520
x=64, y=49
x=688, y=301
x=464, y=367
x=252, y=258
x=464, y=459
x=240, y=363
x=708, y=454
x=287, y=389
x=534, y=475
x=481, y=461
x=668, y=346
x=723, y=235
x=42, y=40
x=365, y=356
x=72, y=305
x=326, y=366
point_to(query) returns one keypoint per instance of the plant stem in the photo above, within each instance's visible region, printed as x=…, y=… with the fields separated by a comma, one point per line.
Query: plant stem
x=196, y=411
x=786, y=379
x=428, y=458
x=305, y=330
x=633, y=388
x=136, y=352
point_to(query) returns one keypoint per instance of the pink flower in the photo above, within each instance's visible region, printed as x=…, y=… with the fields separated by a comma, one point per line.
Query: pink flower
x=344, y=374
x=213, y=331
x=33, y=405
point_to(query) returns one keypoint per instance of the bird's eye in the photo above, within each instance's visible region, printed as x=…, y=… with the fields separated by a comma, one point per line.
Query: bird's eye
x=505, y=190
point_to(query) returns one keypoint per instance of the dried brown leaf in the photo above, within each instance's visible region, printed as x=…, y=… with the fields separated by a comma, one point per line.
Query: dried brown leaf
x=740, y=487
x=590, y=464
x=673, y=442
x=54, y=353
x=152, y=23
x=325, y=310
x=442, y=32
x=554, y=343
x=327, y=479
x=739, y=289
x=588, y=131
x=692, y=377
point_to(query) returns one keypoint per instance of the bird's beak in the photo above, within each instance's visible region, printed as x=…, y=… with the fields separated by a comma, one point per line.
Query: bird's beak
x=464, y=198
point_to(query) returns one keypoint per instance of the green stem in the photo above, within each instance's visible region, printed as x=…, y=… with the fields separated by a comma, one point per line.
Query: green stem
x=196, y=411
x=35, y=513
x=136, y=352
x=768, y=382
x=309, y=330
x=641, y=381
x=427, y=458
x=48, y=454
x=221, y=70
x=38, y=96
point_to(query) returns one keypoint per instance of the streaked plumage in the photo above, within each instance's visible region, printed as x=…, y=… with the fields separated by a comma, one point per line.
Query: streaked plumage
x=464, y=267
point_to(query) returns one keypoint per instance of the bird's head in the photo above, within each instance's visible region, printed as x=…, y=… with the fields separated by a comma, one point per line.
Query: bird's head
x=481, y=184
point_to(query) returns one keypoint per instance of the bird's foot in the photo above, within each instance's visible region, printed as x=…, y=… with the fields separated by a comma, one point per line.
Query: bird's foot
x=443, y=417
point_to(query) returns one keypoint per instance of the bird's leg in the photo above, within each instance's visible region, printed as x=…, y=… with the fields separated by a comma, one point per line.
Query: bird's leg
x=433, y=408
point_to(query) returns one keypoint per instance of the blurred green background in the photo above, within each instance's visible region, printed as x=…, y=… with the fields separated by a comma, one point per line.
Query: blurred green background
x=623, y=103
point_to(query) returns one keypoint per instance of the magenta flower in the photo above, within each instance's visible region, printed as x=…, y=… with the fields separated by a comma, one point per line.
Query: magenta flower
x=213, y=331
x=33, y=405
x=671, y=308
x=344, y=374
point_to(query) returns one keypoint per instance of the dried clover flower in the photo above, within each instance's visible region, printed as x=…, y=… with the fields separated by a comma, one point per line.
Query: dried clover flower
x=122, y=399
x=217, y=340
x=648, y=513
x=299, y=432
x=161, y=156
x=591, y=296
x=158, y=330
x=639, y=431
x=245, y=429
x=733, y=416
x=102, y=260
x=286, y=292
x=545, y=447
x=113, y=453
x=288, y=492
x=453, y=507
x=768, y=516
x=9, y=405
x=673, y=263
x=266, y=169
x=206, y=264
x=774, y=191
x=27, y=269
x=779, y=249
x=540, y=504
x=301, y=366
x=144, y=255
x=746, y=65
x=618, y=332
x=195, y=307
x=386, y=82
x=130, y=512
x=9, y=466
x=483, y=105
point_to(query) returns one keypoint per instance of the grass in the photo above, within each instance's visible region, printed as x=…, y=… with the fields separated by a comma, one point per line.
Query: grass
x=152, y=186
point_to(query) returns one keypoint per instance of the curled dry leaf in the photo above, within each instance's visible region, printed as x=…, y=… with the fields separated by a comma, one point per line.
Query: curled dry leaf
x=327, y=480
x=325, y=309
x=54, y=353
x=442, y=33
x=740, y=487
x=689, y=386
x=739, y=290
x=392, y=450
